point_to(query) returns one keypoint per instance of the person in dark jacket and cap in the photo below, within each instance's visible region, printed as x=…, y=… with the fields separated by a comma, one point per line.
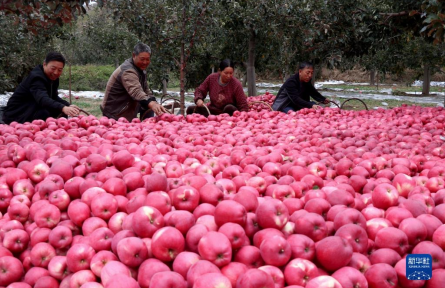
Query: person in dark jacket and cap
x=37, y=96
x=296, y=92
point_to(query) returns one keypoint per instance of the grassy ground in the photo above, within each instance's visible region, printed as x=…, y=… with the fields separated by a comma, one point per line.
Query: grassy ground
x=91, y=106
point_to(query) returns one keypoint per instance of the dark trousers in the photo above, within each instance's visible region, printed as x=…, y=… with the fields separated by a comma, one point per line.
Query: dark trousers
x=44, y=114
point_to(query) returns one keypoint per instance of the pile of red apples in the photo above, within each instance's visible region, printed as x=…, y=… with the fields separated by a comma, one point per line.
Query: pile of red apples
x=261, y=199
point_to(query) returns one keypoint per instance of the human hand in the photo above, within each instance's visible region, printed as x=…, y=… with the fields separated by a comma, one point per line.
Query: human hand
x=199, y=103
x=316, y=107
x=157, y=108
x=326, y=101
x=71, y=111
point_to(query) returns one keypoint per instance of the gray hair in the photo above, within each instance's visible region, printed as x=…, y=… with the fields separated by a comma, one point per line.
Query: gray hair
x=140, y=48
x=305, y=64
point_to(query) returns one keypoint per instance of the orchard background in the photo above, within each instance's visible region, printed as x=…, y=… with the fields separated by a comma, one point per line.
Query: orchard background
x=317, y=198
x=387, y=39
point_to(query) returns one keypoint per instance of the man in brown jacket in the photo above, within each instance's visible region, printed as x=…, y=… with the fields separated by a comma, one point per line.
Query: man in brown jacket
x=127, y=90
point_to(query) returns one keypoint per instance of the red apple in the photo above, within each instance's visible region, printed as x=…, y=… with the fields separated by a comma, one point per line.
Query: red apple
x=230, y=211
x=392, y=238
x=233, y=271
x=146, y=221
x=112, y=269
x=249, y=256
x=156, y=182
x=254, y=278
x=41, y=254
x=272, y=214
x=381, y=275
x=356, y=237
x=12, y=270
x=300, y=272
x=167, y=279
x=414, y=229
x=216, y=248
x=200, y=268
x=333, y=252
x=57, y=267
x=184, y=261
x=275, y=251
x=323, y=281
x=79, y=257
x=100, y=259
x=132, y=251
x=185, y=198
x=384, y=255
x=167, y=243
x=311, y=225
x=349, y=277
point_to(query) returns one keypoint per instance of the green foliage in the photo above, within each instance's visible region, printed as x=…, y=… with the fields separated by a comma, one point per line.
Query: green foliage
x=168, y=25
x=27, y=27
x=86, y=78
x=36, y=15
x=96, y=38
x=434, y=23
x=22, y=52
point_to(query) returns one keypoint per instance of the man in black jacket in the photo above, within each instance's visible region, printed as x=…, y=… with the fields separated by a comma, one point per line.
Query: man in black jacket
x=37, y=96
x=296, y=91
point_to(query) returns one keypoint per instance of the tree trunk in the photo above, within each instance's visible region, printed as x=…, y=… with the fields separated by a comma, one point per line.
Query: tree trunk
x=286, y=75
x=69, y=93
x=182, y=63
x=164, y=86
x=213, y=69
x=251, y=84
x=116, y=63
x=372, y=77
x=426, y=80
x=245, y=80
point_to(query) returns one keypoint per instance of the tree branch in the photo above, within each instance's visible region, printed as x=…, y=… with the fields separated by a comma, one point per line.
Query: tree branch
x=396, y=14
x=193, y=35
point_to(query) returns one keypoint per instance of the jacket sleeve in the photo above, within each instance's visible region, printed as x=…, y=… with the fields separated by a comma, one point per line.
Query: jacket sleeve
x=241, y=99
x=202, y=90
x=60, y=100
x=316, y=95
x=293, y=89
x=144, y=103
x=40, y=94
x=130, y=81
